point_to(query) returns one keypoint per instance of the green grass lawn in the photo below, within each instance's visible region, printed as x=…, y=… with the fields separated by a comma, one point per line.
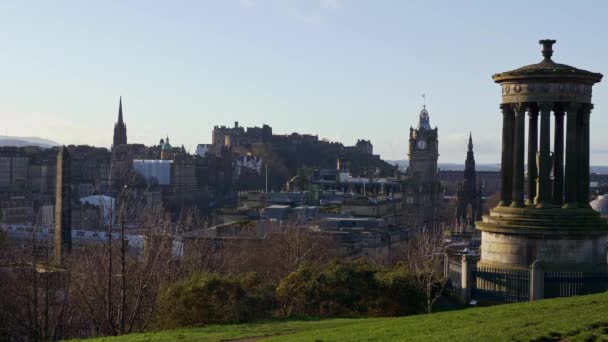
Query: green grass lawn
x=582, y=318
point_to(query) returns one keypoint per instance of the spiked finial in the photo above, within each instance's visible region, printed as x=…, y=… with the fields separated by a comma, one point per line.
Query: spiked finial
x=547, y=48
x=470, y=141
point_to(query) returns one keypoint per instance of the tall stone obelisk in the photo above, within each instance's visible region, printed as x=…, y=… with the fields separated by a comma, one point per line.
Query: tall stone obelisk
x=63, y=208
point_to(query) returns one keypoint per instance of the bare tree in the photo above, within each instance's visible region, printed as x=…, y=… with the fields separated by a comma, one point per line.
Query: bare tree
x=34, y=304
x=296, y=244
x=423, y=255
x=129, y=304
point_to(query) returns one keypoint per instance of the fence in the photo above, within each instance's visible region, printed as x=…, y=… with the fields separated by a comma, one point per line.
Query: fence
x=566, y=284
x=518, y=285
x=455, y=273
x=508, y=285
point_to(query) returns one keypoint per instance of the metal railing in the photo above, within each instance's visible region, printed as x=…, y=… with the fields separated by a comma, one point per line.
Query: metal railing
x=566, y=284
x=500, y=284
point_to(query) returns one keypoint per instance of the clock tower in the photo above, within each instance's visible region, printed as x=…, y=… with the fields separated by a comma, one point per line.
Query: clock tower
x=422, y=192
x=423, y=150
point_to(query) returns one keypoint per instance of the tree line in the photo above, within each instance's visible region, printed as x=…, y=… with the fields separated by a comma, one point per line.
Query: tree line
x=106, y=288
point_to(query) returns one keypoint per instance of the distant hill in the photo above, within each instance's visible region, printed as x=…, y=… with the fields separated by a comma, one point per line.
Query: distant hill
x=27, y=141
x=599, y=169
x=481, y=167
x=403, y=164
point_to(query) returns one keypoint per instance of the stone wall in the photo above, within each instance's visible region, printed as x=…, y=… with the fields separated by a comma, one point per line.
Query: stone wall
x=521, y=251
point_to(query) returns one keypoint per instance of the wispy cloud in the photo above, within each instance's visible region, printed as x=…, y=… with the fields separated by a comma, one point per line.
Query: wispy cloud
x=313, y=13
x=331, y=4
x=247, y=3
x=307, y=18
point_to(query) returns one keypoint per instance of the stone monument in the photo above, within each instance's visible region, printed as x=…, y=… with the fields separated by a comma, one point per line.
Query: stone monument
x=553, y=223
x=63, y=212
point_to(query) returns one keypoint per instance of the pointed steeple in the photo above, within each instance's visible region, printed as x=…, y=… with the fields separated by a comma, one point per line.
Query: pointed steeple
x=469, y=191
x=120, y=110
x=120, y=129
x=469, y=165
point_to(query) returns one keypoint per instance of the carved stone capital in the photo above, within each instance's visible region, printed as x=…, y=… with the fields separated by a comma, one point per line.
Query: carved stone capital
x=506, y=108
x=520, y=108
x=586, y=108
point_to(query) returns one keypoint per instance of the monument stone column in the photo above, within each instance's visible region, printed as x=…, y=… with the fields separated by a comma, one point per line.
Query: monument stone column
x=518, y=155
x=544, y=156
x=532, y=149
x=583, y=172
x=571, y=156
x=558, y=157
x=506, y=170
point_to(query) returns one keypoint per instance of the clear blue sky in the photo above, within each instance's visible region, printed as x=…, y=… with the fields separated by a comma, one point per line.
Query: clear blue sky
x=340, y=69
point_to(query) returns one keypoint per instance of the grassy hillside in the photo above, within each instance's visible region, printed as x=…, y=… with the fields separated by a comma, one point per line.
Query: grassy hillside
x=582, y=318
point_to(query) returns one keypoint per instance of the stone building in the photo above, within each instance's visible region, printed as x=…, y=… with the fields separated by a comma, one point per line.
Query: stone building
x=90, y=169
x=16, y=211
x=27, y=171
x=469, y=196
x=422, y=192
x=203, y=149
x=553, y=225
x=365, y=146
x=14, y=172
x=239, y=136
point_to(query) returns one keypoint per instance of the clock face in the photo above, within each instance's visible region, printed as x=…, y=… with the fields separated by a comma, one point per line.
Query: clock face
x=421, y=144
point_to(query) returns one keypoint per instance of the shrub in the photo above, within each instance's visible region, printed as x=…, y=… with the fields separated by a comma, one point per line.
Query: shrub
x=213, y=298
x=399, y=294
x=348, y=289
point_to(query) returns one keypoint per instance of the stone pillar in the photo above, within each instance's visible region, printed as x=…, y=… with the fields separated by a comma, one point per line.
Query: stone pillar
x=571, y=157
x=558, y=157
x=537, y=281
x=544, y=156
x=506, y=169
x=532, y=149
x=583, y=165
x=466, y=282
x=518, y=155
x=63, y=209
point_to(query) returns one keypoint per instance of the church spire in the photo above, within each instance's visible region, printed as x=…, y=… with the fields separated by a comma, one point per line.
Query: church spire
x=120, y=110
x=469, y=191
x=469, y=164
x=120, y=129
x=470, y=142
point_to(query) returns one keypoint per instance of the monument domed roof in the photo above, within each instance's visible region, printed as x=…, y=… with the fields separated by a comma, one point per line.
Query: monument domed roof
x=167, y=146
x=600, y=205
x=547, y=67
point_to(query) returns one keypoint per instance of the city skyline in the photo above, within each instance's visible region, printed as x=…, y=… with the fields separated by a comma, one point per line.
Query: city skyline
x=342, y=70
